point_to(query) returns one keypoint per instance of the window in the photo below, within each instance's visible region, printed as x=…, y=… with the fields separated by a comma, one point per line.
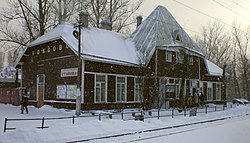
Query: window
x=179, y=57
x=177, y=88
x=172, y=87
x=177, y=38
x=218, y=91
x=190, y=60
x=138, y=95
x=209, y=91
x=121, y=89
x=100, y=89
x=168, y=56
x=171, y=80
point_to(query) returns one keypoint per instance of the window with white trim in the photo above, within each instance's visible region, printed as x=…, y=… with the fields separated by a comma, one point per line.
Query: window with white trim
x=169, y=56
x=121, y=89
x=138, y=90
x=209, y=91
x=179, y=57
x=177, y=88
x=100, y=89
x=218, y=91
x=190, y=60
x=172, y=87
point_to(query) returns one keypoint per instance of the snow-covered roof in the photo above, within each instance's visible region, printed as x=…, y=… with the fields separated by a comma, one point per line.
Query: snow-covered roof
x=213, y=69
x=97, y=44
x=159, y=29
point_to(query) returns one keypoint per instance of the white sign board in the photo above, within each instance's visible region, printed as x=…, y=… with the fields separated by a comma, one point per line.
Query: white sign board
x=69, y=72
x=67, y=91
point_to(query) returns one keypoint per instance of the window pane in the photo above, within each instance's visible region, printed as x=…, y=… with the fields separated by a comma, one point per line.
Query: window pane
x=121, y=79
x=118, y=92
x=100, y=78
x=100, y=90
x=171, y=80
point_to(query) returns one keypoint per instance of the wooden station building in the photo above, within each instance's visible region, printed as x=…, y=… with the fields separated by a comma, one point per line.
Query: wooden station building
x=119, y=72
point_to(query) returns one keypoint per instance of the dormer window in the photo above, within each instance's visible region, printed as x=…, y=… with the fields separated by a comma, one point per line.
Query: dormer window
x=176, y=36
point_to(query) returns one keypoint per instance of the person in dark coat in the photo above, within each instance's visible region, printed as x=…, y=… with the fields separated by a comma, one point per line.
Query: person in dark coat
x=24, y=102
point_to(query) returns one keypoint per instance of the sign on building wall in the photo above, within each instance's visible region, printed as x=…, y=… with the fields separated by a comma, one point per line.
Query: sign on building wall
x=66, y=91
x=69, y=72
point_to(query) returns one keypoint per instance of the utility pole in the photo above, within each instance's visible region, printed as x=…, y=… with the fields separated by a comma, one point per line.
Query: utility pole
x=79, y=93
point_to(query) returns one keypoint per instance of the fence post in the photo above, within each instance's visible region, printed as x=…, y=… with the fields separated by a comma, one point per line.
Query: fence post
x=42, y=123
x=110, y=116
x=122, y=115
x=73, y=119
x=5, y=125
x=185, y=111
x=150, y=113
x=172, y=113
x=99, y=117
x=158, y=117
x=223, y=108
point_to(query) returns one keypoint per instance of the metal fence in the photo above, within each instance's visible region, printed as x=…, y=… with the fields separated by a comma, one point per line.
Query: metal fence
x=133, y=115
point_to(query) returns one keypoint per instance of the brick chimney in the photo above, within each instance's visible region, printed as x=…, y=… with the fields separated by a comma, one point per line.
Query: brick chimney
x=106, y=24
x=139, y=20
x=84, y=19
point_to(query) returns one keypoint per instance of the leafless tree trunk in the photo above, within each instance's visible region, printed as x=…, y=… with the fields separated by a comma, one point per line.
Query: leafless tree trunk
x=215, y=43
x=118, y=12
x=241, y=40
x=26, y=20
x=235, y=79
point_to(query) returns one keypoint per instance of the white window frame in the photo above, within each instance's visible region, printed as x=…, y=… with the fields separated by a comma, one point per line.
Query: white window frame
x=209, y=96
x=125, y=88
x=190, y=60
x=138, y=89
x=193, y=84
x=95, y=88
x=168, y=56
x=218, y=91
x=177, y=90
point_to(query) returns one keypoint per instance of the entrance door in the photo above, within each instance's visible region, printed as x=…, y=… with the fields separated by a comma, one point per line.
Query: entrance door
x=40, y=86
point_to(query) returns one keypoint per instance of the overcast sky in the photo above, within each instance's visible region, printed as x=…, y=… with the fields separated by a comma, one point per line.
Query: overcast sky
x=186, y=12
x=193, y=14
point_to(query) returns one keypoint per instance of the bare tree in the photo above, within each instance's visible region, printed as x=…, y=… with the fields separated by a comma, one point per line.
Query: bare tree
x=215, y=43
x=1, y=60
x=23, y=22
x=241, y=40
x=26, y=20
x=118, y=12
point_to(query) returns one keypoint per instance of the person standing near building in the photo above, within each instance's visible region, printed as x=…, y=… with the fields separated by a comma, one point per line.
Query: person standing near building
x=196, y=99
x=24, y=101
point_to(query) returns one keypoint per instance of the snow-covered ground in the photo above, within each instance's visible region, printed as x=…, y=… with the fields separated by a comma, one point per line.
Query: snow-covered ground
x=231, y=130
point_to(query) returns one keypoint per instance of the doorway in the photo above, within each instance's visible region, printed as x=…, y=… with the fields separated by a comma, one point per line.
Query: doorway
x=40, y=86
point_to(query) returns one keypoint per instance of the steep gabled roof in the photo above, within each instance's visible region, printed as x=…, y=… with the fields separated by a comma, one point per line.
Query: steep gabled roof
x=97, y=44
x=160, y=29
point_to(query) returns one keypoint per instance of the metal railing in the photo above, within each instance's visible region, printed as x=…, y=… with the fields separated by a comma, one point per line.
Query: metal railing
x=133, y=115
